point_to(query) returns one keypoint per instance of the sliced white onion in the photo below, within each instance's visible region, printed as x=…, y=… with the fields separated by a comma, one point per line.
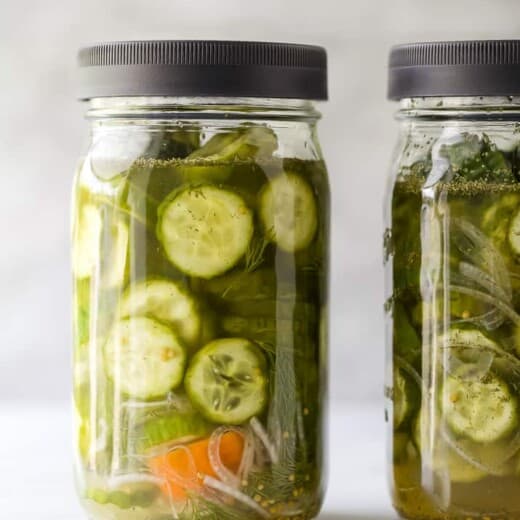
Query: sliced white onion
x=220, y=469
x=172, y=401
x=409, y=369
x=484, y=280
x=502, y=306
x=488, y=345
x=171, y=503
x=480, y=366
x=179, y=480
x=166, y=447
x=512, y=449
x=237, y=495
x=490, y=320
x=262, y=434
x=291, y=510
x=478, y=246
x=102, y=438
x=248, y=457
x=300, y=427
x=143, y=404
x=470, y=459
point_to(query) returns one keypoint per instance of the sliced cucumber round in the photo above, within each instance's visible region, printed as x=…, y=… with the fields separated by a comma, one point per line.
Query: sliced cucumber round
x=129, y=496
x=496, y=218
x=226, y=380
x=513, y=234
x=403, y=398
x=288, y=212
x=100, y=242
x=480, y=409
x=144, y=358
x=459, y=470
x=205, y=230
x=400, y=447
x=81, y=390
x=114, y=259
x=86, y=242
x=445, y=459
x=214, y=160
x=171, y=426
x=166, y=301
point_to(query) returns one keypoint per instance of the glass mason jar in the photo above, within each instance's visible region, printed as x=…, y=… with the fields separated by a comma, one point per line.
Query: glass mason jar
x=452, y=252
x=200, y=263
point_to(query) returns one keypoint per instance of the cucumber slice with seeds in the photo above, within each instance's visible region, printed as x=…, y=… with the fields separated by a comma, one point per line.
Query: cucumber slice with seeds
x=144, y=358
x=226, y=380
x=166, y=301
x=204, y=231
x=288, y=212
x=483, y=410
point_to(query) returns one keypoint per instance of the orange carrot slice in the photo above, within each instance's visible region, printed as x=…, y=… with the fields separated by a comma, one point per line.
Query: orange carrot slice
x=183, y=468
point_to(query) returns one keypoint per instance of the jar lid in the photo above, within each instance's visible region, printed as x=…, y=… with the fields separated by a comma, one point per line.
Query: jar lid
x=203, y=68
x=456, y=68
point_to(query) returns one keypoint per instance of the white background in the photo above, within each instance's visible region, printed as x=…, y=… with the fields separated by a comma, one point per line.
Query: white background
x=41, y=134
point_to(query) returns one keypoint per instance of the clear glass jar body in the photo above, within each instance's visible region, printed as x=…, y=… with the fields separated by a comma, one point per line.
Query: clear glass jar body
x=200, y=262
x=453, y=310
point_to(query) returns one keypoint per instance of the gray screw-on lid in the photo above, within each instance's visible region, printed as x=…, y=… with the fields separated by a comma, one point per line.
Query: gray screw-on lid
x=203, y=68
x=457, y=68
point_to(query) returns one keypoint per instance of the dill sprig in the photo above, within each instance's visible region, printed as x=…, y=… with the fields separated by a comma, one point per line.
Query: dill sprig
x=255, y=253
x=254, y=258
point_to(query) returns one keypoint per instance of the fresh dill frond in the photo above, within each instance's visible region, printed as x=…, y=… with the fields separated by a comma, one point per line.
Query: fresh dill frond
x=255, y=253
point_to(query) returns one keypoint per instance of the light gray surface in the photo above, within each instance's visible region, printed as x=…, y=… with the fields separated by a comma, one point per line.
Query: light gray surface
x=37, y=483
x=41, y=133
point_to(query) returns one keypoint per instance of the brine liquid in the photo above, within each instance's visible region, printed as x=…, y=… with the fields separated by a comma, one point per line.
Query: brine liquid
x=273, y=298
x=450, y=252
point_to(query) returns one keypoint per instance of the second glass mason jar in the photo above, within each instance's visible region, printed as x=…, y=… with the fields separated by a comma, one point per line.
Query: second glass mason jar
x=452, y=249
x=200, y=262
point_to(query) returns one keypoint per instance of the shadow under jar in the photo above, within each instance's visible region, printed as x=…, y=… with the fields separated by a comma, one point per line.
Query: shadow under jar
x=452, y=251
x=200, y=263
